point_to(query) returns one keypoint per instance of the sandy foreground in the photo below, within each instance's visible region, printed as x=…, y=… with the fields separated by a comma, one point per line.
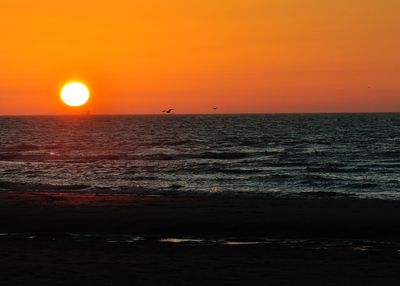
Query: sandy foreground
x=41, y=254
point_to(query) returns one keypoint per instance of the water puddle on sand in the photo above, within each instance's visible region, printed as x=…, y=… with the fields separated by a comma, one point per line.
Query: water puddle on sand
x=128, y=240
x=184, y=240
x=309, y=244
x=362, y=248
x=234, y=243
x=210, y=242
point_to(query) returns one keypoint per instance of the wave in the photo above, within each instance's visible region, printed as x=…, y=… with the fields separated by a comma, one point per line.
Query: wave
x=170, y=143
x=322, y=194
x=317, y=180
x=329, y=169
x=224, y=170
x=21, y=147
x=362, y=185
x=223, y=155
x=186, y=156
x=284, y=164
x=9, y=156
x=385, y=166
x=50, y=156
x=40, y=187
x=389, y=154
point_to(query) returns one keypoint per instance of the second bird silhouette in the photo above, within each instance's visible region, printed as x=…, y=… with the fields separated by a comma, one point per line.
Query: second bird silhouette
x=168, y=110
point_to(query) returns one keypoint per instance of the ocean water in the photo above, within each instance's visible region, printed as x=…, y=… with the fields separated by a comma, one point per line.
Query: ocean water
x=321, y=155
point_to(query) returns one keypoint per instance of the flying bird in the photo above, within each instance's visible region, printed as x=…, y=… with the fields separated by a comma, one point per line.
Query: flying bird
x=168, y=110
x=215, y=108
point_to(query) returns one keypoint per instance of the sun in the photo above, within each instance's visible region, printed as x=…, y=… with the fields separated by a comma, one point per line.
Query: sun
x=75, y=94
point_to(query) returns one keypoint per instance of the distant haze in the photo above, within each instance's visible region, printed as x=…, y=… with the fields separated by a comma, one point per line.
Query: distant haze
x=239, y=55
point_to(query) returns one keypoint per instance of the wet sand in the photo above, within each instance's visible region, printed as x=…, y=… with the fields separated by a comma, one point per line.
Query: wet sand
x=203, y=217
x=59, y=262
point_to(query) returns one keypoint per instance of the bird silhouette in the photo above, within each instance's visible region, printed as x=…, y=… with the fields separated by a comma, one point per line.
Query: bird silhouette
x=168, y=110
x=215, y=108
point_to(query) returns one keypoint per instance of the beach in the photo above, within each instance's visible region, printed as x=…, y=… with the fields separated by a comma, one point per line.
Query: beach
x=56, y=238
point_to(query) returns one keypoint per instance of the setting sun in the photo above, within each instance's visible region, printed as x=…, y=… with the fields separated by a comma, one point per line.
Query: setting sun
x=75, y=94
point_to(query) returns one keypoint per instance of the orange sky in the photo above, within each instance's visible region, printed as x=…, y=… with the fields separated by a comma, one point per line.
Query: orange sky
x=141, y=56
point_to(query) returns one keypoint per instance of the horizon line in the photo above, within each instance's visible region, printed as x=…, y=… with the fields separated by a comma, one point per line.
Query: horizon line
x=185, y=114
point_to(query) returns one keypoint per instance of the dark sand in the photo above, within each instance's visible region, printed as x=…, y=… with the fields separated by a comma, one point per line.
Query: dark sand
x=204, y=217
x=63, y=262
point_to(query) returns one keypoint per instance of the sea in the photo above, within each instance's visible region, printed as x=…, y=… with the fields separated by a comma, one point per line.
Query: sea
x=278, y=155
